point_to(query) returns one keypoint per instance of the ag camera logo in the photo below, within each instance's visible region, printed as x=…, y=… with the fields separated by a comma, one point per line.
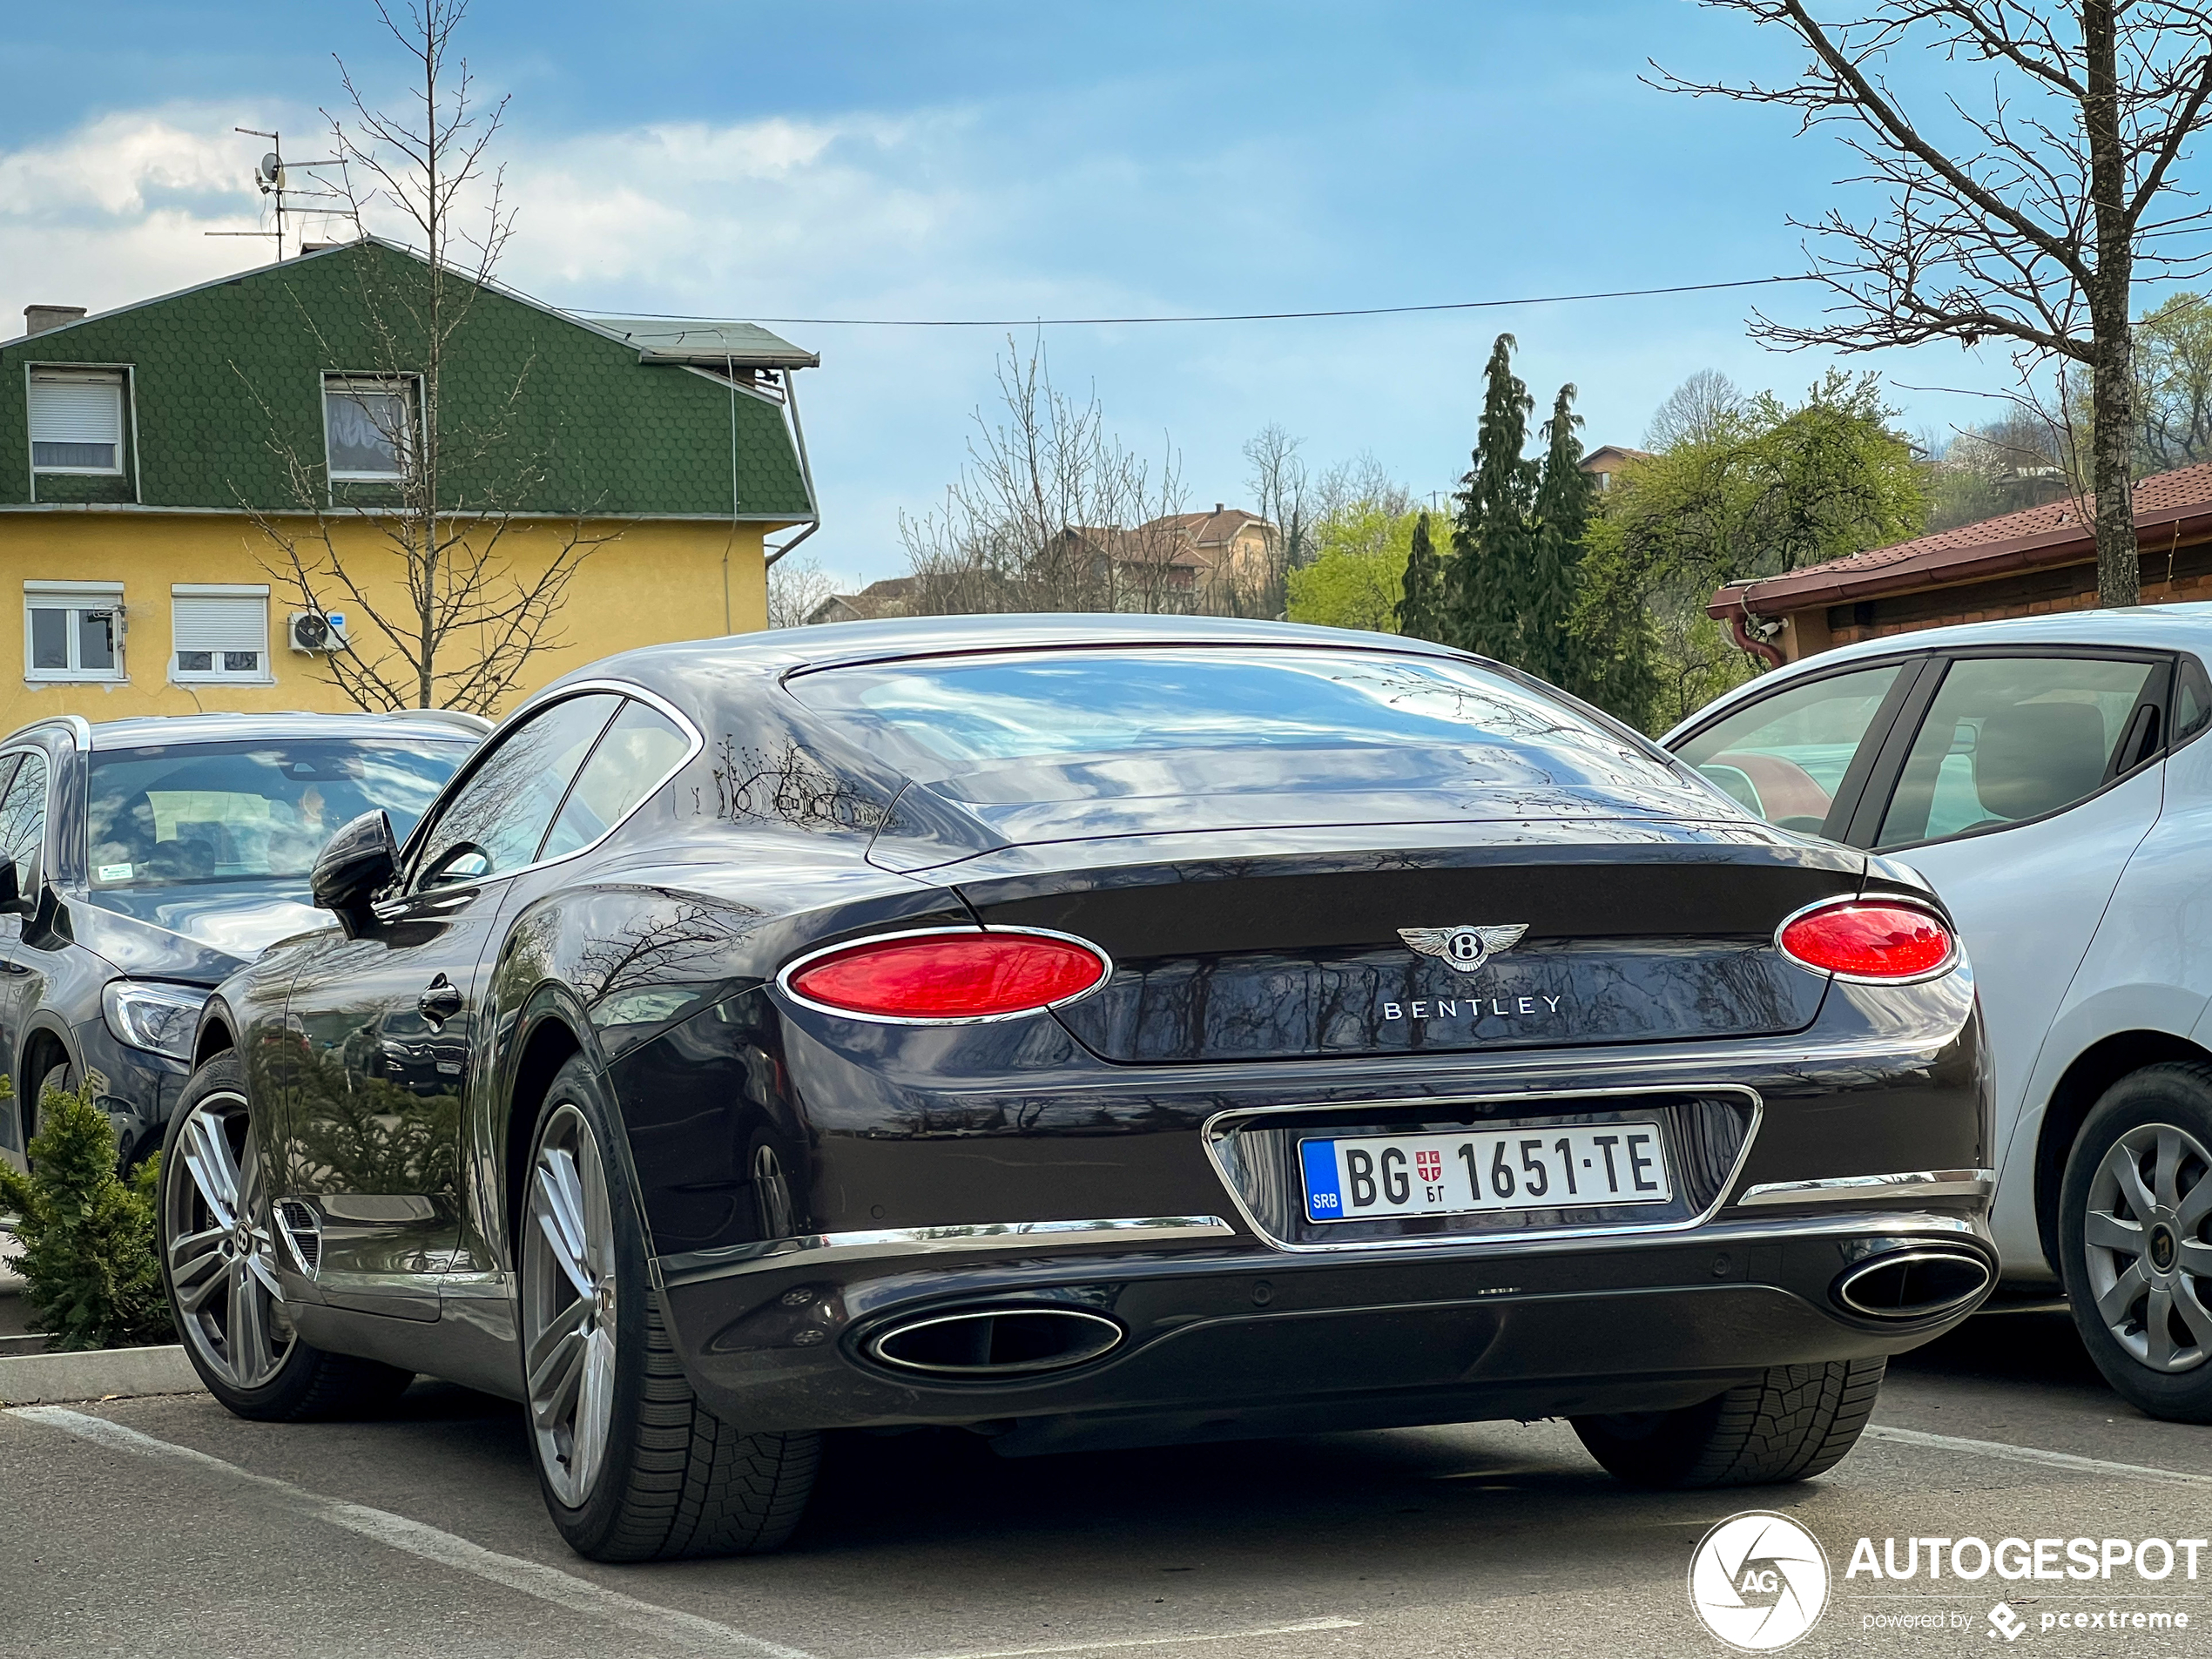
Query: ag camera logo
x=1758, y=1582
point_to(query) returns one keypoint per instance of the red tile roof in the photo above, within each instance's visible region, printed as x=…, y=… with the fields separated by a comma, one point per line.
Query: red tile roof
x=2178, y=503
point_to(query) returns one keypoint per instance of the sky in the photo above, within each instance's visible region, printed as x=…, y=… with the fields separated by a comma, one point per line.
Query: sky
x=894, y=159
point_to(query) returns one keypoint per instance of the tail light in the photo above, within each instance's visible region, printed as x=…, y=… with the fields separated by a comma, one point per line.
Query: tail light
x=1870, y=940
x=934, y=978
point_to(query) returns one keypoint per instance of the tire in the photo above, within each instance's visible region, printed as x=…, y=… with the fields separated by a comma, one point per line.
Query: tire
x=1790, y=1424
x=633, y=1466
x=2145, y=1314
x=222, y=1290
x=62, y=1077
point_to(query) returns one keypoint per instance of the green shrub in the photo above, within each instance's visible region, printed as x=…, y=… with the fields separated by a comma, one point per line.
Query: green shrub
x=91, y=1269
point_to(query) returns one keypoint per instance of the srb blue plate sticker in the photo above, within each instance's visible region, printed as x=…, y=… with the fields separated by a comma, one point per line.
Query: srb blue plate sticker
x=1323, y=1201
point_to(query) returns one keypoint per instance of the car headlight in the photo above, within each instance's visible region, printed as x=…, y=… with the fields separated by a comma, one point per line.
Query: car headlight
x=146, y=1015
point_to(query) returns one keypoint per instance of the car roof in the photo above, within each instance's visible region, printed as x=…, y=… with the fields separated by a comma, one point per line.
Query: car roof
x=835, y=644
x=2175, y=627
x=438, y=726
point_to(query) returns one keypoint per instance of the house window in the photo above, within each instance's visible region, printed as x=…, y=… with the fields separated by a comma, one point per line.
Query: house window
x=72, y=630
x=367, y=429
x=76, y=421
x=221, y=632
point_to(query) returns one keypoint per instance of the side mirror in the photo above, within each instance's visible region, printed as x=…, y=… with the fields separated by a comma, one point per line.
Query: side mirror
x=21, y=888
x=355, y=865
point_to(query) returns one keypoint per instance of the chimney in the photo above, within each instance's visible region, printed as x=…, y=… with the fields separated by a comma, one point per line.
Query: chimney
x=36, y=320
x=1219, y=510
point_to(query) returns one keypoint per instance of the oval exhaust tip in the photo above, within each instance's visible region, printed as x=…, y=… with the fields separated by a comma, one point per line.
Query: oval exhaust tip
x=996, y=1341
x=1913, y=1284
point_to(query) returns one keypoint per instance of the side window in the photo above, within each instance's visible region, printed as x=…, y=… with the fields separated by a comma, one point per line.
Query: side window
x=496, y=820
x=2192, y=699
x=2010, y=738
x=639, y=751
x=22, y=812
x=1782, y=757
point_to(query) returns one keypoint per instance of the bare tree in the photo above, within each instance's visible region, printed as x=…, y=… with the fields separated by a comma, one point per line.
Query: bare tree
x=796, y=589
x=2032, y=227
x=1052, y=512
x=479, y=589
x=1700, y=410
x=1283, y=496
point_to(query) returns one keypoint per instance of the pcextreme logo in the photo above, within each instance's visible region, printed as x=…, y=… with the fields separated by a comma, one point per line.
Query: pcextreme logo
x=1758, y=1582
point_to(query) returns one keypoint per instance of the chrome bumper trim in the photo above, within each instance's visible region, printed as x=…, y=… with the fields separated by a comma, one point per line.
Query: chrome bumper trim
x=1540, y=1103
x=1848, y=1189
x=994, y=1236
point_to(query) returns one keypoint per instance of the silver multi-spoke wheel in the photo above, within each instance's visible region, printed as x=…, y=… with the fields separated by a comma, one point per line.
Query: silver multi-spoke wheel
x=220, y=1244
x=568, y=1305
x=2142, y=1235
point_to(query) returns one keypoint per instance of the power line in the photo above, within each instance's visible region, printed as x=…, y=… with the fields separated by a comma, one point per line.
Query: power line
x=1243, y=316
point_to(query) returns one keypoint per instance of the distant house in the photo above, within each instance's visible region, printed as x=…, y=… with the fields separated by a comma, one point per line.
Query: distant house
x=1182, y=563
x=1603, y=465
x=893, y=597
x=2024, y=563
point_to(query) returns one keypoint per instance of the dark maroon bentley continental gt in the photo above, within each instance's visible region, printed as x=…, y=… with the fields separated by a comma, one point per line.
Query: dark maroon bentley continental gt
x=1085, y=1032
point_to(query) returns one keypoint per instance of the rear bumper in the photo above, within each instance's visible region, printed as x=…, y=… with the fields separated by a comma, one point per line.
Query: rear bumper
x=1227, y=1337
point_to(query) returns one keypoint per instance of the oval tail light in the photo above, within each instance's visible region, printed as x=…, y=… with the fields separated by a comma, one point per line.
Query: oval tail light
x=925, y=978
x=1870, y=940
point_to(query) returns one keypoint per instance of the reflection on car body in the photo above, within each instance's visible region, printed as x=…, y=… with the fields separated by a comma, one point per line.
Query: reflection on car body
x=933, y=1023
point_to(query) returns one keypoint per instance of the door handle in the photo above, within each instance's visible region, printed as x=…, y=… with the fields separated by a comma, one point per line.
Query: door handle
x=441, y=1002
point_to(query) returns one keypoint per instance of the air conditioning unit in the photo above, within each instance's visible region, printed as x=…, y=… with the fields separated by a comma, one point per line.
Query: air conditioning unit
x=317, y=631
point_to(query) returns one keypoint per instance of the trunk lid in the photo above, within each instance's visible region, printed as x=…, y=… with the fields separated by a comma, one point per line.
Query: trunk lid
x=1291, y=947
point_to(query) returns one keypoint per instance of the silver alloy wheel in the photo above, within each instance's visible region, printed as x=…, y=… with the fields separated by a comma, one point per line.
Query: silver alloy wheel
x=2149, y=1265
x=568, y=1305
x=220, y=1245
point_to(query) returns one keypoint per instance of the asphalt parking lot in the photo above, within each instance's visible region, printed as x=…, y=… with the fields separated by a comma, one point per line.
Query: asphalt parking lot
x=165, y=1527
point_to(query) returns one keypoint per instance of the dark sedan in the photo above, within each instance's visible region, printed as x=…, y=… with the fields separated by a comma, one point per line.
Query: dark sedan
x=143, y=861
x=1083, y=1032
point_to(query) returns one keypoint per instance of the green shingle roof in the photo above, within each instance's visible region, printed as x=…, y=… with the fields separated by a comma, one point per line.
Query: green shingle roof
x=569, y=418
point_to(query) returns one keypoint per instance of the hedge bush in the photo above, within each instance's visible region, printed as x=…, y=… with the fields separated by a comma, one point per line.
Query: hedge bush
x=89, y=1262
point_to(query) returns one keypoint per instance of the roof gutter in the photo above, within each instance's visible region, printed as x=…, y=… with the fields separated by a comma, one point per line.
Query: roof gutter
x=805, y=472
x=1739, y=626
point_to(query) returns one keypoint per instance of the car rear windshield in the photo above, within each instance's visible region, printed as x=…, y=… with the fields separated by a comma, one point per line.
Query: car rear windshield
x=1066, y=704
x=160, y=815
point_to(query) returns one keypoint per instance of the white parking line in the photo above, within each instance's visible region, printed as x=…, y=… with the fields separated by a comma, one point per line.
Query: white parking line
x=533, y=1578
x=1300, y=1628
x=2030, y=1454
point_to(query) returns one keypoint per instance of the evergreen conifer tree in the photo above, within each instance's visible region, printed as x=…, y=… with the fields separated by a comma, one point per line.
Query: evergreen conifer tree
x=1493, y=534
x=1417, y=614
x=1548, y=591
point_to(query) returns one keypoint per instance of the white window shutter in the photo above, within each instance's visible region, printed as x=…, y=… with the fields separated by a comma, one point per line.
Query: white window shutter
x=225, y=621
x=75, y=411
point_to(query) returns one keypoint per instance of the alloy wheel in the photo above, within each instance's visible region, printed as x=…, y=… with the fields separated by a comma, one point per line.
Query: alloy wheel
x=2149, y=1265
x=222, y=1247
x=568, y=1305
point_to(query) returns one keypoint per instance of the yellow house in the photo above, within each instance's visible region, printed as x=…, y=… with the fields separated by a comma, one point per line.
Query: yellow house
x=266, y=493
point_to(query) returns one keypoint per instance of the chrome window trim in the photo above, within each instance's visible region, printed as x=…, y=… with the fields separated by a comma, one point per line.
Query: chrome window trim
x=1215, y=1130
x=1905, y=1183
x=784, y=973
x=1902, y=902
x=459, y=780
x=807, y=1249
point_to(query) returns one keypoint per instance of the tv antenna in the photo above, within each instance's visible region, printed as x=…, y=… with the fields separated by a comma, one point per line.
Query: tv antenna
x=272, y=175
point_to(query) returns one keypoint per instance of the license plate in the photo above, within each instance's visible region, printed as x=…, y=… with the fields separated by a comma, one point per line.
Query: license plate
x=1375, y=1176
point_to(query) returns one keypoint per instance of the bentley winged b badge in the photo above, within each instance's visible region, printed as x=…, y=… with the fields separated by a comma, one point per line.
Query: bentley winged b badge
x=1464, y=949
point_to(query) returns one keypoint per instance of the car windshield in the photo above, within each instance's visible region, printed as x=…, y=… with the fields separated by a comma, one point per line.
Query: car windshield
x=162, y=815
x=1034, y=706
